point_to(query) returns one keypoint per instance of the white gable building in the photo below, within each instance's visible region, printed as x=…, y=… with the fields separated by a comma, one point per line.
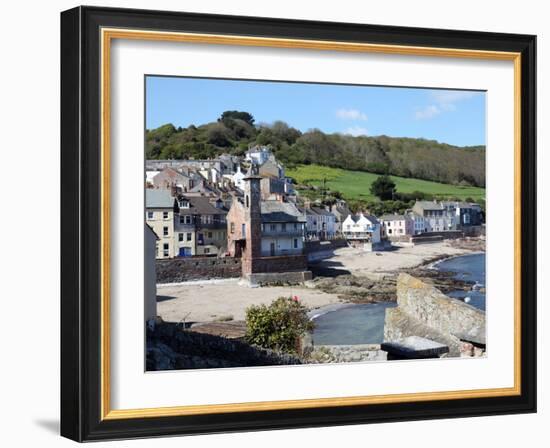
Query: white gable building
x=361, y=228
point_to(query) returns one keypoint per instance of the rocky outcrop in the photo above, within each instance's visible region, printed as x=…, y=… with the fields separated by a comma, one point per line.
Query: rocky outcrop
x=426, y=312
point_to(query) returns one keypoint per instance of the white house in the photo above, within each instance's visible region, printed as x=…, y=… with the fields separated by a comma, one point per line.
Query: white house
x=361, y=228
x=397, y=226
x=259, y=155
x=238, y=177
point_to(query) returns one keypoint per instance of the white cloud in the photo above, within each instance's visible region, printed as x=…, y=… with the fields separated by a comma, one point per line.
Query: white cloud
x=356, y=131
x=351, y=114
x=427, y=112
x=443, y=101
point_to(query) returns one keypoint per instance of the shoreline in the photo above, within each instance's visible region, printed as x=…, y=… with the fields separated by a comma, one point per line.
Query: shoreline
x=350, y=276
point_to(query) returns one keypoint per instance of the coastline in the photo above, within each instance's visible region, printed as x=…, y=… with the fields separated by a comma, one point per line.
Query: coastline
x=354, y=276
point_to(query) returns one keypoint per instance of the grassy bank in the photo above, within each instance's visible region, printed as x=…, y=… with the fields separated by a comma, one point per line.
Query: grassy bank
x=356, y=184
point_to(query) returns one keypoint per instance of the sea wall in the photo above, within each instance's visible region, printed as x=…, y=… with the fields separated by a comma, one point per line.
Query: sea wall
x=176, y=270
x=422, y=310
x=318, y=250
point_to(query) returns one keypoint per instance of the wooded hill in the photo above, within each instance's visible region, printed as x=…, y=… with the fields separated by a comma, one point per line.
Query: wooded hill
x=399, y=156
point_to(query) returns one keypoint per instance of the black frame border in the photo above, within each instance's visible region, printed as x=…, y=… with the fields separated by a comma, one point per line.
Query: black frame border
x=81, y=223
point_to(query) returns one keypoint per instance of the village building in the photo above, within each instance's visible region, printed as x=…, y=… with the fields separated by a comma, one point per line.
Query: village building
x=340, y=211
x=437, y=218
x=160, y=209
x=320, y=223
x=362, y=228
x=396, y=226
x=151, y=243
x=467, y=214
x=267, y=235
x=271, y=168
x=168, y=178
x=237, y=178
x=418, y=222
x=258, y=154
x=200, y=226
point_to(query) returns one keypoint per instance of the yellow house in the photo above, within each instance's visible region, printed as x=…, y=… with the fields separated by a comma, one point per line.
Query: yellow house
x=160, y=209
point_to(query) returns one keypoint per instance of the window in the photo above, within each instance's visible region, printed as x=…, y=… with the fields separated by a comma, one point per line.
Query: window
x=209, y=234
x=247, y=202
x=182, y=219
x=243, y=229
x=273, y=227
x=165, y=249
x=283, y=227
x=295, y=226
x=295, y=243
x=206, y=250
x=188, y=219
x=164, y=215
x=165, y=231
x=232, y=227
x=180, y=237
x=189, y=236
x=150, y=215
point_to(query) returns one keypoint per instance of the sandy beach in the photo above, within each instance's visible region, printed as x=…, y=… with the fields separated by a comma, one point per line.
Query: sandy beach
x=358, y=262
x=228, y=300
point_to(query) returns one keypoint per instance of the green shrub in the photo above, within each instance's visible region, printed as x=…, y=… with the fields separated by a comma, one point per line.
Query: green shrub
x=279, y=325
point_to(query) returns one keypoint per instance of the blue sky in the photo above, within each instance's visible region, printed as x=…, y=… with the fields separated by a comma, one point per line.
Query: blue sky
x=450, y=116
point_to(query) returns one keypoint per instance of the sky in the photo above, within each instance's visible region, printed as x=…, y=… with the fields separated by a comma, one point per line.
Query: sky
x=456, y=117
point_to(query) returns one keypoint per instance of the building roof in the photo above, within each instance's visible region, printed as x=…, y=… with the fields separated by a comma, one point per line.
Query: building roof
x=201, y=206
x=158, y=198
x=371, y=218
x=430, y=205
x=276, y=211
x=322, y=211
x=154, y=234
x=392, y=217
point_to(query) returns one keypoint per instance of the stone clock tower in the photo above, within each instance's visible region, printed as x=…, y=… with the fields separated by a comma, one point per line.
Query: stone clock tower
x=252, y=221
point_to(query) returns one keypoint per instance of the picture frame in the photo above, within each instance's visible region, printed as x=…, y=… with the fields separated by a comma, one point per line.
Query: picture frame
x=86, y=174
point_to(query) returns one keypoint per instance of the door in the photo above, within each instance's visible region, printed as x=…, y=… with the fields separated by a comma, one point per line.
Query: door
x=272, y=249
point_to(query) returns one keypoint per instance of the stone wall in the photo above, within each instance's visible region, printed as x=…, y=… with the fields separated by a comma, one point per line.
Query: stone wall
x=170, y=347
x=286, y=263
x=346, y=353
x=176, y=270
x=329, y=245
x=319, y=250
x=430, y=237
x=422, y=310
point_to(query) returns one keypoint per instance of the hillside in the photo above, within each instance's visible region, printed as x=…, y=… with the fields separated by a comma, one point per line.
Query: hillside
x=403, y=157
x=355, y=185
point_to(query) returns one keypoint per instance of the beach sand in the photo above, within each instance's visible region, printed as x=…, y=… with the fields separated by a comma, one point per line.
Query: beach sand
x=227, y=299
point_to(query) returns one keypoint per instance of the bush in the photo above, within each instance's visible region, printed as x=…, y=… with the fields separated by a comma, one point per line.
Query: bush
x=279, y=325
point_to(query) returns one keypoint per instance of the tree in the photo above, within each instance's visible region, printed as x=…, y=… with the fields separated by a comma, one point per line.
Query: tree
x=383, y=188
x=237, y=115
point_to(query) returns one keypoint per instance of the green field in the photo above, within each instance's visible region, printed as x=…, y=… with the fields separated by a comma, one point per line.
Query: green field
x=356, y=184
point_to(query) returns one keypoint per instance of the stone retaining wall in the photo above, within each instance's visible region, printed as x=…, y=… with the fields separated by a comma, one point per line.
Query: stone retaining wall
x=422, y=310
x=170, y=347
x=347, y=353
x=176, y=270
